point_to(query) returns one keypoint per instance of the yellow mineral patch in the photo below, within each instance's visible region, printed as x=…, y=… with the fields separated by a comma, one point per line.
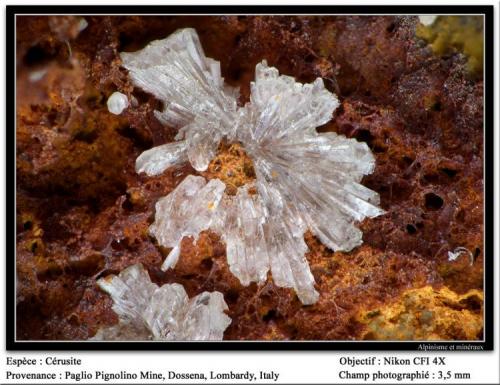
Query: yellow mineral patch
x=108, y=278
x=231, y=165
x=457, y=33
x=427, y=314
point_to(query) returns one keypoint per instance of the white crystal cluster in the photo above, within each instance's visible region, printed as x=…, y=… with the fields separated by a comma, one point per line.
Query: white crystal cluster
x=149, y=312
x=453, y=255
x=117, y=102
x=427, y=19
x=304, y=179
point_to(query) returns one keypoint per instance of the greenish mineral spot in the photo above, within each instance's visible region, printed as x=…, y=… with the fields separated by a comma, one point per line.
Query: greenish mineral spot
x=450, y=34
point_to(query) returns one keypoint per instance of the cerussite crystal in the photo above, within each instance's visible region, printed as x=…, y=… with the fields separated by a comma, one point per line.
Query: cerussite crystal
x=186, y=211
x=149, y=312
x=304, y=179
x=117, y=102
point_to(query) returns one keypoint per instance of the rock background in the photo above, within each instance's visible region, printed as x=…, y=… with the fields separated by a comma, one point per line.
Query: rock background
x=83, y=212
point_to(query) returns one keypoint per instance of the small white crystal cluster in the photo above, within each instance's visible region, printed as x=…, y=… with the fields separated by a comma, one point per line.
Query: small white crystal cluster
x=453, y=255
x=304, y=179
x=149, y=312
x=427, y=19
x=117, y=102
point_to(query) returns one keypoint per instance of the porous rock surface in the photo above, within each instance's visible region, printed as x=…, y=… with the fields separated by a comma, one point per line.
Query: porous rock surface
x=83, y=213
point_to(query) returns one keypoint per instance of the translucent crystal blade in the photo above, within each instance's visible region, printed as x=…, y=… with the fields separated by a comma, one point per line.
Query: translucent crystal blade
x=286, y=107
x=330, y=198
x=330, y=151
x=205, y=318
x=158, y=159
x=288, y=263
x=323, y=215
x=165, y=314
x=172, y=258
x=240, y=223
x=130, y=291
x=202, y=144
x=123, y=331
x=161, y=320
x=172, y=212
x=176, y=71
x=186, y=211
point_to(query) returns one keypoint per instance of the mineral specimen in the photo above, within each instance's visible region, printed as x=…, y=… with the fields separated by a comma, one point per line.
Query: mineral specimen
x=304, y=179
x=188, y=211
x=78, y=195
x=427, y=19
x=149, y=312
x=452, y=33
x=117, y=102
x=427, y=314
x=453, y=255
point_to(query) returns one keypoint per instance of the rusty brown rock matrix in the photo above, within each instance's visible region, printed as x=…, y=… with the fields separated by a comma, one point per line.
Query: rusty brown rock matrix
x=79, y=218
